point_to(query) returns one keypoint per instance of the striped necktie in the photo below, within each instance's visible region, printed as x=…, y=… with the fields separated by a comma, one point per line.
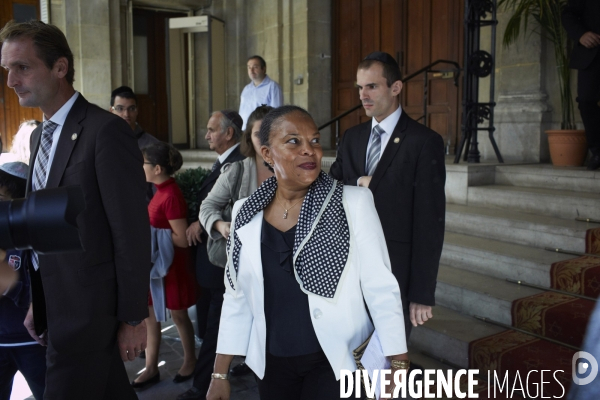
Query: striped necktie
x=40, y=170
x=374, y=150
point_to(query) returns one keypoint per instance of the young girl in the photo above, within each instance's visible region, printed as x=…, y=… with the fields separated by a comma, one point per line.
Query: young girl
x=168, y=210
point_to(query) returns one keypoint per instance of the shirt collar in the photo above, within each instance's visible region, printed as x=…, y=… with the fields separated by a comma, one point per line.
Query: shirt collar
x=60, y=116
x=227, y=152
x=265, y=81
x=390, y=122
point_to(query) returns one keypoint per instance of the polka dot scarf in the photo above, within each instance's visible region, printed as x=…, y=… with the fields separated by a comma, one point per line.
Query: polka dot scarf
x=322, y=240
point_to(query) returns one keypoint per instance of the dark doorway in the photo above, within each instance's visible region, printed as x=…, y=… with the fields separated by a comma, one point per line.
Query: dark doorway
x=416, y=32
x=11, y=113
x=150, y=30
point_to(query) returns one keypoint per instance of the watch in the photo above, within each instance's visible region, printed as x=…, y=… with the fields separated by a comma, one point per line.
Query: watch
x=134, y=323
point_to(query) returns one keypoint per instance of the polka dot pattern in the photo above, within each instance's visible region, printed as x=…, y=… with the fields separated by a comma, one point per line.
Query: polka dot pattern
x=321, y=260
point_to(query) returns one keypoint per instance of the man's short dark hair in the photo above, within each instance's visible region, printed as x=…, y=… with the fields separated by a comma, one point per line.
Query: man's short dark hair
x=261, y=60
x=14, y=185
x=122, y=91
x=390, y=72
x=49, y=41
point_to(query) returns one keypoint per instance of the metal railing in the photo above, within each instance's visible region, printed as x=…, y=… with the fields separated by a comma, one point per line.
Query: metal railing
x=426, y=70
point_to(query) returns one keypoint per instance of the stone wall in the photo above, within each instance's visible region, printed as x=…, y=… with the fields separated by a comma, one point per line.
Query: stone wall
x=87, y=26
x=294, y=38
x=527, y=96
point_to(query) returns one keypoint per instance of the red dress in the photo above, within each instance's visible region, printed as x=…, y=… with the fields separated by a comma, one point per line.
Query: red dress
x=168, y=204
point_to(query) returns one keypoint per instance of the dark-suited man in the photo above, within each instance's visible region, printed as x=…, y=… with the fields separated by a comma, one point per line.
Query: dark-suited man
x=581, y=19
x=402, y=162
x=95, y=300
x=224, y=130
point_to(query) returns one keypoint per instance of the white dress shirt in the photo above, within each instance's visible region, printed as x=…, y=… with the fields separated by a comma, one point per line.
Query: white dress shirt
x=388, y=125
x=267, y=92
x=58, y=118
x=226, y=153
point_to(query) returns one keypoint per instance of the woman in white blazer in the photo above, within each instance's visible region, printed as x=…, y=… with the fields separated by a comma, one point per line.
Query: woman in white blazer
x=297, y=313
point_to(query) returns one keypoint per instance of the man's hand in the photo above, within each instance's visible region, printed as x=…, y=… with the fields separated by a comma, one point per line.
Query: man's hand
x=219, y=389
x=193, y=233
x=364, y=181
x=224, y=228
x=30, y=326
x=590, y=40
x=419, y=313
x=131, y=340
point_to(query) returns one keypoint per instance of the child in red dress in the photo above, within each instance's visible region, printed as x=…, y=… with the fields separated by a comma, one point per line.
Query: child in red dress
x=168, y=210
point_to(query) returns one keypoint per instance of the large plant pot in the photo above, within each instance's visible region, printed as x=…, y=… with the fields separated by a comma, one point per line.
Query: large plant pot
x=568, y=148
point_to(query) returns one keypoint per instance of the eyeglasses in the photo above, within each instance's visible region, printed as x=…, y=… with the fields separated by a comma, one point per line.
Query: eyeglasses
x=121, y=109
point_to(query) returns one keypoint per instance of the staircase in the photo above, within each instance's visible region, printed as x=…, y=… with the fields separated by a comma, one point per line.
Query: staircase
x=497, y=228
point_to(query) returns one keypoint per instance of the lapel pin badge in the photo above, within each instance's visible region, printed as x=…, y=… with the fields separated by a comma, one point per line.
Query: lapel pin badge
x=397, y=140
x=74, y=136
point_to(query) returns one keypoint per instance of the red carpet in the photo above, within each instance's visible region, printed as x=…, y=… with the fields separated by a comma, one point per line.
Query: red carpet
x=514, y=351
x=552, y=315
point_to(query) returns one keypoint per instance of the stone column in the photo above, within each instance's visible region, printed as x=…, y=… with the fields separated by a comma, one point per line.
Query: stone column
x=523, y=111
x=87, y=28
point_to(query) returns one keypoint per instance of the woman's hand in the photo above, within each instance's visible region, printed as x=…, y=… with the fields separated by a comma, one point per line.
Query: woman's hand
x=223, y=228
x=219, y=389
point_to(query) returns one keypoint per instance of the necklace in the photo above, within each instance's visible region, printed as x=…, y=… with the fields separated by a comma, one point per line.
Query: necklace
x=285, y=214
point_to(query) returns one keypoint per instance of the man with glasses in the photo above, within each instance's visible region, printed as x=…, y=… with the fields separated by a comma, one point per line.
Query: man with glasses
x=124, y=104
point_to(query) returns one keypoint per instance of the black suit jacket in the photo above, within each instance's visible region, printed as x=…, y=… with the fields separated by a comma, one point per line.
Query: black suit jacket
x=579, y=17
x=207, y=274
x=408, y=188
x=87, y=293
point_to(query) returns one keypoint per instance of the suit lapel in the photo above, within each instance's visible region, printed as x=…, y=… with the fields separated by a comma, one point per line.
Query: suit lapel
x=361, y=148
x=34, y=144
x=66, y=143
x=396, y=140
x=233, y=156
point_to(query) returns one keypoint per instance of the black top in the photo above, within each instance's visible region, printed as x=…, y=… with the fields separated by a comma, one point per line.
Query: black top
x=289, y=327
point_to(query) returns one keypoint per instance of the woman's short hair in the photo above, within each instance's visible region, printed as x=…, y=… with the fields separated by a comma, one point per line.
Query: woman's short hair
x=272, y=119
x=165, y=155
x=49, y=41
x=246, y=147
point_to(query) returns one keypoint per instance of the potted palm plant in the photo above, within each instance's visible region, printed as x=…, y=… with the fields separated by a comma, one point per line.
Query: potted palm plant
x=568, y=145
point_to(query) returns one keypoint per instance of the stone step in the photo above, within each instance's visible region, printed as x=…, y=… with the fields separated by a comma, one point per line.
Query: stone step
x=448, y=334
x=517, y=227
x=576, y=179
x=426, y=361
x=499, y=259
x=471, y=293
x=549, y=202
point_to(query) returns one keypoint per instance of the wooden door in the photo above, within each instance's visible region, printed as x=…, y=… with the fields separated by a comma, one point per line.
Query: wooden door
x=11, y=113
x=416, y=32
x=434, y=31
x=150, y=70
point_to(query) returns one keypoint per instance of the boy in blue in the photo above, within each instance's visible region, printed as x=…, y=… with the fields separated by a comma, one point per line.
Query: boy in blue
x=18, y=351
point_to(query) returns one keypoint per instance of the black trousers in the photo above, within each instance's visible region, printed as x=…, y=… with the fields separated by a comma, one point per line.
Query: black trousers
x=31, y=361
x=97, y=374
x=208, y=350
x=308, y=377
x=588, y=96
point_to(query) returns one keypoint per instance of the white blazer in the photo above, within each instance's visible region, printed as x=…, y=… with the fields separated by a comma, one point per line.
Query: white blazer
x=342, y=324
